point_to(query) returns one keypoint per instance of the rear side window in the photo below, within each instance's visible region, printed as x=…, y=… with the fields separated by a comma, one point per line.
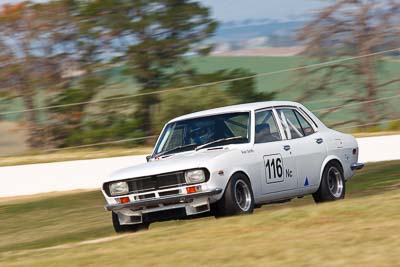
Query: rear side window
x=294, y=124
x=290, y=123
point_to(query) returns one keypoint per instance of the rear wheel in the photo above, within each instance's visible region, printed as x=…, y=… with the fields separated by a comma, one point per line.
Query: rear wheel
x=333, y=186
x=126, y=228
x=237, y=199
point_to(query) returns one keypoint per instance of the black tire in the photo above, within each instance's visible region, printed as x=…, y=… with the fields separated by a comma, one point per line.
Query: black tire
x=333, y=186
x=234, y=204
x=128, y=228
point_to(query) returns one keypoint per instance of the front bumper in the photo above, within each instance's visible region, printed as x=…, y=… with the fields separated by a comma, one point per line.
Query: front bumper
x=356, y=166
x=179, y=198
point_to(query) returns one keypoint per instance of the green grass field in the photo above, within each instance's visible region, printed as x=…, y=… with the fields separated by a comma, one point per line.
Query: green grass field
x=74, y=230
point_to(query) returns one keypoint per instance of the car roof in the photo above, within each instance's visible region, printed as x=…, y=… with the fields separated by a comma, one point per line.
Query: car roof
x=236, y=108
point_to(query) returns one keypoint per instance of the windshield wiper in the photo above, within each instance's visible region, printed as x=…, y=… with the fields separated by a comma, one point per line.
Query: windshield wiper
x=176, y=149
x=220, y=141
x=197, y=147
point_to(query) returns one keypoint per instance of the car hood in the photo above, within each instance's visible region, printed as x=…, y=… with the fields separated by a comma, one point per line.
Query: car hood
x=171, y=163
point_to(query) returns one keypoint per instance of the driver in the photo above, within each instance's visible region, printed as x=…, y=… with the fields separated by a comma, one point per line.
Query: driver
x=263, y=133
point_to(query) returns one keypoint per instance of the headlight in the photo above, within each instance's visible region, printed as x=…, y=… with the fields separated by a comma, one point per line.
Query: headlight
x=195, y=176
x=119, y=188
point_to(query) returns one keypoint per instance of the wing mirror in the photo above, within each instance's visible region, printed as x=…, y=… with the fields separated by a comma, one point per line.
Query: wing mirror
x=148, y=157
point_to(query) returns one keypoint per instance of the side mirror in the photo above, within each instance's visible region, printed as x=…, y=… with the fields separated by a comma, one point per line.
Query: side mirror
x=148, y=158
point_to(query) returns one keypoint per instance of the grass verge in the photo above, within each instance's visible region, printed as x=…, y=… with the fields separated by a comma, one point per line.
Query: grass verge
x=73, y=154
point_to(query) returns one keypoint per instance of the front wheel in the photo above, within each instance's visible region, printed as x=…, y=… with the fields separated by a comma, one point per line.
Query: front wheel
x=333, y=186
x=238, y=197
x=127, y=228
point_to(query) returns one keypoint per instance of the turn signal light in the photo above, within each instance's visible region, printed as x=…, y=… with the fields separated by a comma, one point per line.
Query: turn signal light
x=191, y=189
x=123, y=200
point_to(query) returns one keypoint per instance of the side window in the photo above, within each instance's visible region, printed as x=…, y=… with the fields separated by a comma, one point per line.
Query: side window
x=294, y=124
x=266, y=129
x=290, y=123
x=305, y=126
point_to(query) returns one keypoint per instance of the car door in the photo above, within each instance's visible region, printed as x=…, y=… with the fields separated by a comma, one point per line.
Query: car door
x=307, y=144
x=277, y=165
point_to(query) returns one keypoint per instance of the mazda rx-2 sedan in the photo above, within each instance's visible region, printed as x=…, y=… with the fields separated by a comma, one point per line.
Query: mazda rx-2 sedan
x=230, y=160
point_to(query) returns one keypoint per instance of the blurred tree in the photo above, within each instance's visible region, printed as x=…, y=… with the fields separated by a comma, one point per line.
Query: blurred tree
x=108, y=123
x=36, y=53
x=351, y=28
x=61, y=46
x=243, y=90
x=153, y=37
x=66, y=119
x=107, y=128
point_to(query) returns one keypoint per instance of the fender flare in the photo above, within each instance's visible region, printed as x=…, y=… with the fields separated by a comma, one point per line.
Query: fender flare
x=231, y=174
x=325, y=162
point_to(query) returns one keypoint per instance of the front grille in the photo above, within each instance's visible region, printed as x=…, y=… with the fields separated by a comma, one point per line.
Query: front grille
x=154, y=182
x=166, y=180
x=161, y=181
x=142, y=184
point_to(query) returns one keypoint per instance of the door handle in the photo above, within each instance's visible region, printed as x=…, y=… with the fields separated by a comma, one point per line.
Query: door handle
x=287, y=147
x=319, y=140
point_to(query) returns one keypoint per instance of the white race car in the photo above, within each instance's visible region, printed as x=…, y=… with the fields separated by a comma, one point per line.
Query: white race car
x=230, y=160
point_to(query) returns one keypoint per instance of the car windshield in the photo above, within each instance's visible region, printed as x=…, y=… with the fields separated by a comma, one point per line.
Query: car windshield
x=188, y=134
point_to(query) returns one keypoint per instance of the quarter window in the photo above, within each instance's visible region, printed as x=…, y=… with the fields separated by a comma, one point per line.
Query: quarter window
x=305, y=126
x=266, y=127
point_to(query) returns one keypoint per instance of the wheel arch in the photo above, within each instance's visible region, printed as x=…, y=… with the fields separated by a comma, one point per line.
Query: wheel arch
x=240, y=172
x=328, y=160
x=234, y=172
x=221, y=180
x=228, y=204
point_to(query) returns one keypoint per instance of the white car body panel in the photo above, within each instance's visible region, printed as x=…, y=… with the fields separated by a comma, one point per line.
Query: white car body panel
x=267, y=151
x=305, y=160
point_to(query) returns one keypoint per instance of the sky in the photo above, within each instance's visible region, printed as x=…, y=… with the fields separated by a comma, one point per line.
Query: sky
x=237, y=10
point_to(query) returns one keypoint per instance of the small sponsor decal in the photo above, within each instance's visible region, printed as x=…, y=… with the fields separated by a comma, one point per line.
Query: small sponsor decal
x=247, y=151
x=306, y=182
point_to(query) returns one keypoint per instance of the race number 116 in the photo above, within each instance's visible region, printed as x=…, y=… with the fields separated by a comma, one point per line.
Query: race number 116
x=273, y=168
